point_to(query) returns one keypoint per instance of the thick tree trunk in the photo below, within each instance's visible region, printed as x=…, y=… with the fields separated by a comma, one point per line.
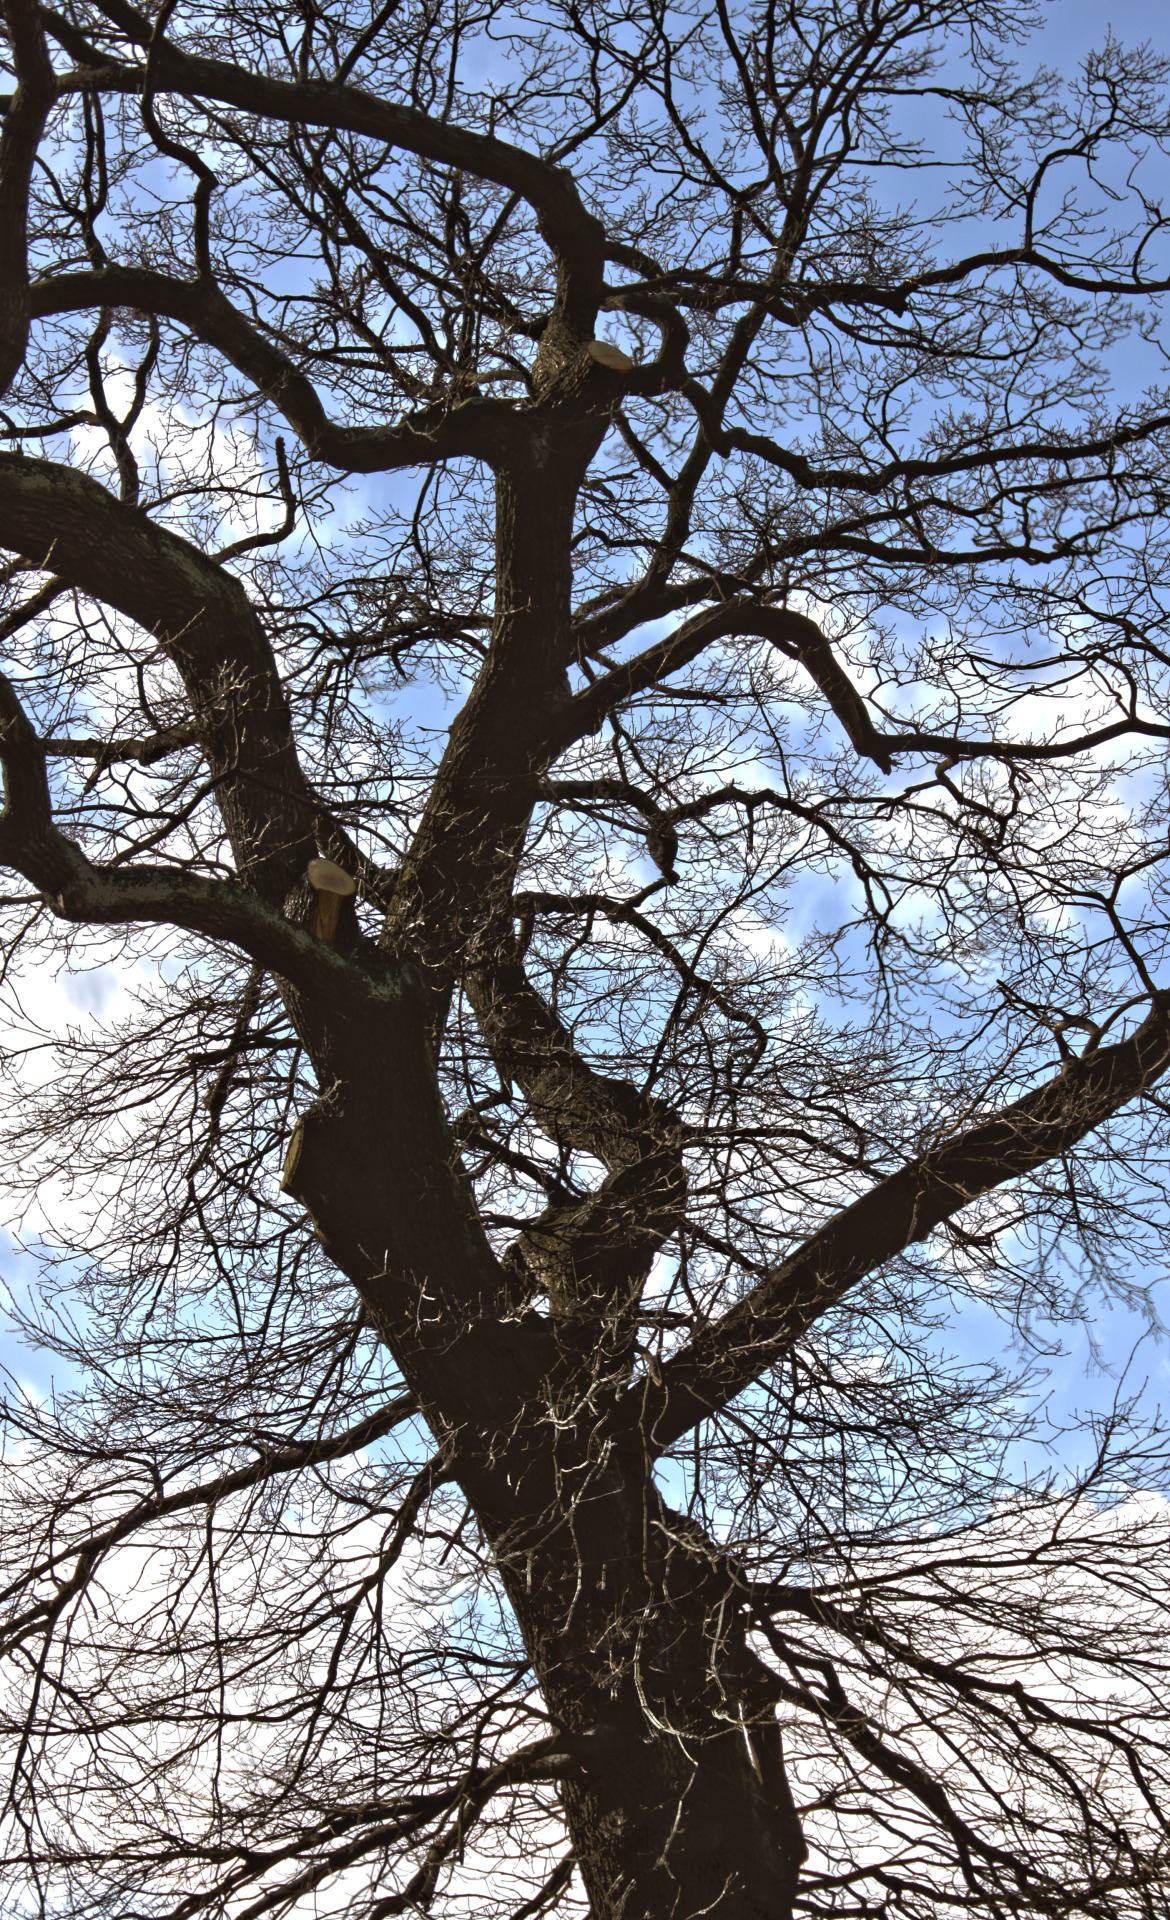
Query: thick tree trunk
x=675, y=1827
x=681, y=1805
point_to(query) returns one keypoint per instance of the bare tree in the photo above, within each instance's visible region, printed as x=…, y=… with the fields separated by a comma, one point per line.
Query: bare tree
x=586, y=620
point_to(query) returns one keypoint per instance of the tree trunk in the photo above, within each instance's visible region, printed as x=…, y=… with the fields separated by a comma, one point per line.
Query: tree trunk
x=677, y=1804
x=676, y=1826
x=680, y=1805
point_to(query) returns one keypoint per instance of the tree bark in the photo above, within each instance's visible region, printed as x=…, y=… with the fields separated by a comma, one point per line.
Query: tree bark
x=681, y=1806
x=678, y=1804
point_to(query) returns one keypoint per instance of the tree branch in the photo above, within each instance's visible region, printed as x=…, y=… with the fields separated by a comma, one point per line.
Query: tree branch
x=727, y=1355
x=597, y=1249
x=202, y=617
x=794, y=634
x=19, y=139
x=478, y=429
x=1054, y=450
x=78, y=890
x=574, y=235
x=270, y=1463
x=145, y=753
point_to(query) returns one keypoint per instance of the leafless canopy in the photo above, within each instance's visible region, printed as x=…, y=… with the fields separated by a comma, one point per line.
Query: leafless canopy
x=585, y=626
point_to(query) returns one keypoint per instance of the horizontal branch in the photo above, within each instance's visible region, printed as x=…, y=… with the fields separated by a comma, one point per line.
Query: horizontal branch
x=1056, y=449
x=143, y=753
x=701, y=291
x=955, y=749
x=733, y=1351
x=480, y=429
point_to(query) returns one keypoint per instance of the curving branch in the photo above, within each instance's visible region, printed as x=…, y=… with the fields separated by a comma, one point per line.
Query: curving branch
x=201, y=616
x=792, y=633
x=78, y=890
x=574, y=235
x=595, y=1251
x=478, y=429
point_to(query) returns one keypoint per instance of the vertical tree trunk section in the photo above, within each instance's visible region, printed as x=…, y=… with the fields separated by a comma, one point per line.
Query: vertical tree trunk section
x=681, y=1806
